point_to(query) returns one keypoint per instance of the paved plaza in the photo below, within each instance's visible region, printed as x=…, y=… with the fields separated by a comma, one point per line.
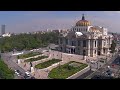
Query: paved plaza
x=43, y=73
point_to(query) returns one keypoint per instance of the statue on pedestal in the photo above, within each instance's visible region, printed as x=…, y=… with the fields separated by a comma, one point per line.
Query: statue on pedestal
x=31, y=64
x=31, y=68
x=19, y=61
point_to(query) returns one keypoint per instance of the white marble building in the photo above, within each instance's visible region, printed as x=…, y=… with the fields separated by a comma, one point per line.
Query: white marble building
x=85, y=39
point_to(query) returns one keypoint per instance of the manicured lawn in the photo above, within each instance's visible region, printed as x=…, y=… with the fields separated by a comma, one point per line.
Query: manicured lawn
x=31, y=54
x=66, y=70
x=47, y=63
x=5, y=72
x=36, y=59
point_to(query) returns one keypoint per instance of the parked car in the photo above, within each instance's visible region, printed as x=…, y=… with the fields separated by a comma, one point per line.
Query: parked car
x=108, y=72
x=17, y=73
x=27, y=73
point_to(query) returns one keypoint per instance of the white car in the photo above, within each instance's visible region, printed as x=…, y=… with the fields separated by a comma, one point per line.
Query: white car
x=108, y=67
x=27, y=73
x=17, y=73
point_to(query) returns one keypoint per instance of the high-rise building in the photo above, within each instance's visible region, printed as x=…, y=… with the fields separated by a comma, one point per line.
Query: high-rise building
x=3, y=29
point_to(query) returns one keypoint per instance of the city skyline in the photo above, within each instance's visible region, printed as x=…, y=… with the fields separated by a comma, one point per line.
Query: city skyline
x=28, y=21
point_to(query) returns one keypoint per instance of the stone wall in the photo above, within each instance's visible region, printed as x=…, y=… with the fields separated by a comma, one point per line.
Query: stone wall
x=66, y=56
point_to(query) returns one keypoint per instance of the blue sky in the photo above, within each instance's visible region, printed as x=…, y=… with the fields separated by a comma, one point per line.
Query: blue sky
x=27, y=21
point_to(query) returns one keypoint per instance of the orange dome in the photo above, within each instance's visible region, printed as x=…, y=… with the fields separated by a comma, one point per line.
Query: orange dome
x=83, y=22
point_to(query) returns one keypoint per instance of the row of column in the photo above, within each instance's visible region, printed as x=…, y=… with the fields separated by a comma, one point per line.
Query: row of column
x=70, y=50
x=92, y=45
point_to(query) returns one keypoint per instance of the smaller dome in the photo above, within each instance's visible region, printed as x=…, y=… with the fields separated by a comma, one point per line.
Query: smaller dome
x=94, y=29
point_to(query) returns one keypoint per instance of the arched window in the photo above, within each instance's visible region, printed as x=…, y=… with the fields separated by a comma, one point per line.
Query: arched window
x=61, y=41
x=84, y=43
x=95, y=43
x=66, y=41
x=95, y=51
x=104, y=43
x=73, y=42
x=79, y=42
x=84, y=52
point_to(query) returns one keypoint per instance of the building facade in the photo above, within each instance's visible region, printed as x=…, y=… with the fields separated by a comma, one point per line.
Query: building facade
x=85, y=39
x=3, y=29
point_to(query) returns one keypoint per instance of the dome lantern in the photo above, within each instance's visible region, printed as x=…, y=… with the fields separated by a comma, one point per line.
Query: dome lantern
x=83, y=22
x=83, y=18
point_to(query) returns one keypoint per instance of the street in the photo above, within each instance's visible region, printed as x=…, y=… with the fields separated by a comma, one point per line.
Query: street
x=102, y=71
x=85, y=74
x=8, y=60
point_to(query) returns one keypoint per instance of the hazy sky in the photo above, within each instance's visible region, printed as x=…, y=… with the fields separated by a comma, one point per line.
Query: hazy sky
x=27, y=21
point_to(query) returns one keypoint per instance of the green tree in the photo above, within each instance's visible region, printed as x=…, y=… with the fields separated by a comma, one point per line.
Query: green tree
x=113, y=46
x=5, y=72
x=27, y=41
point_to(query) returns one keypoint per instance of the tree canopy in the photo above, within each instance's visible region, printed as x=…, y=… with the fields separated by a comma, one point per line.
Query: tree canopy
x=27, y=41
x=5, y=72
x=113, y=46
